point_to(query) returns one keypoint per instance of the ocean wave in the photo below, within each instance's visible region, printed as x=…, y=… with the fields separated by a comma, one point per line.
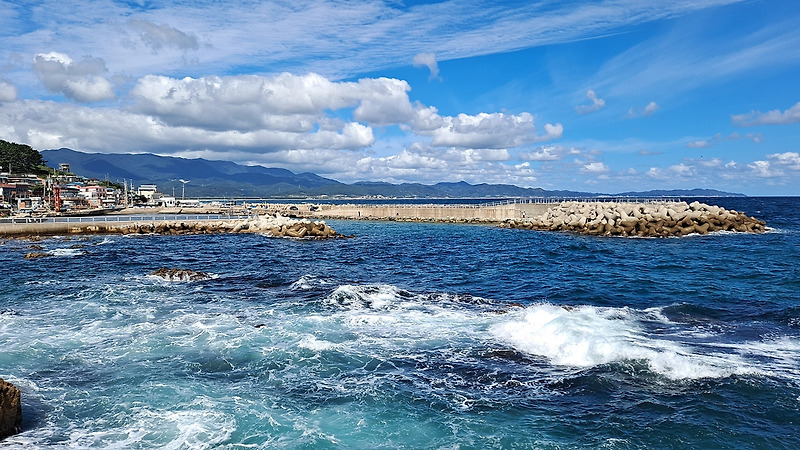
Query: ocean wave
x=588, y=336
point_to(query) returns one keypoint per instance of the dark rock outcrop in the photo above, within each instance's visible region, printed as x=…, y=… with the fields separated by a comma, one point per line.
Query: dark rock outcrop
x=37, y=255
x=180, y=274
x=10, y=409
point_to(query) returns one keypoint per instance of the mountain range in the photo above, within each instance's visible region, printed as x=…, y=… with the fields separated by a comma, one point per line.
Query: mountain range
x=204, y=178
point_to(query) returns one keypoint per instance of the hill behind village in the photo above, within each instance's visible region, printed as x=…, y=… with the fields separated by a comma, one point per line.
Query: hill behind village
x=205, y=178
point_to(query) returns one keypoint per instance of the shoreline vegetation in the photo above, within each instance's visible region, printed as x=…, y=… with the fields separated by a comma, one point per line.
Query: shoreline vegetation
x=599, y=218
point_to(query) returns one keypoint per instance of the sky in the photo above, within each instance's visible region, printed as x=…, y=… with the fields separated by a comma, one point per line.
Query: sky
x=587, y=95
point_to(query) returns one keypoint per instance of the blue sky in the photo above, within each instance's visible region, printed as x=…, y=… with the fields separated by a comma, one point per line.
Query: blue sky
x=601, y=96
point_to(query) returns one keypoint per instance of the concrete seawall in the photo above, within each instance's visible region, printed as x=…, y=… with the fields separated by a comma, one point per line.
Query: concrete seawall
x=443, y=213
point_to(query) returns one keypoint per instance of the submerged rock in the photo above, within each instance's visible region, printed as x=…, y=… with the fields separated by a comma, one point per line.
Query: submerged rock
x=36, y=255
x=10, y=409
x=180, y=274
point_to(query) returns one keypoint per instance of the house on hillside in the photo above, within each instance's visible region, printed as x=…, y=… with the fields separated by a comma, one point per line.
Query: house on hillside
x=150, y=192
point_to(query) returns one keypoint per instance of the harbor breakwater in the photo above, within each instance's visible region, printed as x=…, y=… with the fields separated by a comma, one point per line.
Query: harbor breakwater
x=658, y=219
x=276, y=226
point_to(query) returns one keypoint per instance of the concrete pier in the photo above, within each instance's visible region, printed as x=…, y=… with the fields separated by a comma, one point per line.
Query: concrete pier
x=434, y=212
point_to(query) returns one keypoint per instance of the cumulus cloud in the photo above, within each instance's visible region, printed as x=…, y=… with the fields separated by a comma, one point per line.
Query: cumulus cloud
x=286, y=102
x=8, y=92
x=762, y=169
x=545, y=153
x=648, y=110
x=295, y=103
x=774, y=117
x=158, y=36
x=261, y=115
x=681, y=170
x=791, y=159
x=596, y=105
x=550, y=132
x=484, y=130
x=595, y=168
x=78, y=80
x=427, y=60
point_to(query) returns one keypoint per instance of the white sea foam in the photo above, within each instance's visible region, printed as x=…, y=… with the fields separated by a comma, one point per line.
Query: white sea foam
x=67, y=252
x=317, y=345
x=588, y=336
x=196, y=429
x=308, y=282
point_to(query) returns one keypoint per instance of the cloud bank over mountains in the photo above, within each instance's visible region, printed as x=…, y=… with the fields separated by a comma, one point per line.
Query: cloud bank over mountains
x=383, y=91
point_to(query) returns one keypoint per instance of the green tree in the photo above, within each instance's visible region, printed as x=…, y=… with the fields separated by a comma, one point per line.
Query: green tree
x=20, y=158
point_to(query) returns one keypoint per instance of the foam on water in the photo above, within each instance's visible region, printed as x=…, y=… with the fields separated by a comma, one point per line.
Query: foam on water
x=588, y=336
x=67, y=252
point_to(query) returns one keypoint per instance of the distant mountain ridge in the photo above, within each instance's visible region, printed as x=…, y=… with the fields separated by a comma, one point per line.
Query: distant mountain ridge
x=227, y=179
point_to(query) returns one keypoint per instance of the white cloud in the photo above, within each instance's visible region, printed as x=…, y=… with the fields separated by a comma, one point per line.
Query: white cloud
x=762, y=169
x=546, y=153
x=650, y=109
x=550, y=132
x=596, y=105
x=484, y=130
x=8, y=92
x=774, y=117
x=595, y=168
x=790, y=160
x=301, y=36
x=698, y=144
x=717, y=138
x=78, y=80
x=645, y=152
x=285, y=102
x=158, y=36
x=681, y=170
x=116, y=131
x=427, y=60
x=426, y=119
x=298, y=104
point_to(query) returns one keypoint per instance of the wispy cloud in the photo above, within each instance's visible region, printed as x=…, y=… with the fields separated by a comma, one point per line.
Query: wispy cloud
x=690, y=56
x=717, y=138
x=596, y=105
x=302, y=37
x=648, y=110
x=774, y=117
x=8, y=92
x=158, y=36
x=427, y=60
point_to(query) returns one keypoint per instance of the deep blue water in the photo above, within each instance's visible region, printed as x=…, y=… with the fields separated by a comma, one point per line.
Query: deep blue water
x=410, y=336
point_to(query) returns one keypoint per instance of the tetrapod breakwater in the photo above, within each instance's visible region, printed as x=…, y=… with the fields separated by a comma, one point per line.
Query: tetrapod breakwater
x=656, y=219
x=275, y=226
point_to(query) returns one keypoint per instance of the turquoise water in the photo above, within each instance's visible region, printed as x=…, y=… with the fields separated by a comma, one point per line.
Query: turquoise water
x=409, y=336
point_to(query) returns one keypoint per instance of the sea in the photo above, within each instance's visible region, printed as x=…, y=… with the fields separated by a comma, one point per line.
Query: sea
x=409, y=335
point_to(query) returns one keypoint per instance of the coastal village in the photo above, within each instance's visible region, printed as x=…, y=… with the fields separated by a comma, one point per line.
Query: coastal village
x=65, y=193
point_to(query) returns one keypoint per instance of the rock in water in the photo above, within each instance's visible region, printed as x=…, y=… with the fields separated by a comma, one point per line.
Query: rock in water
x=180, y=274
x=10, y=409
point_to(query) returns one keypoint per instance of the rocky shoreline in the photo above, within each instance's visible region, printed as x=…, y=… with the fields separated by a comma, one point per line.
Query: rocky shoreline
x=657, y=219
x=10, y=409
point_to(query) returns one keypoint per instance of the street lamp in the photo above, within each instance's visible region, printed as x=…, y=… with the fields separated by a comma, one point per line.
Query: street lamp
x=183, y=192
